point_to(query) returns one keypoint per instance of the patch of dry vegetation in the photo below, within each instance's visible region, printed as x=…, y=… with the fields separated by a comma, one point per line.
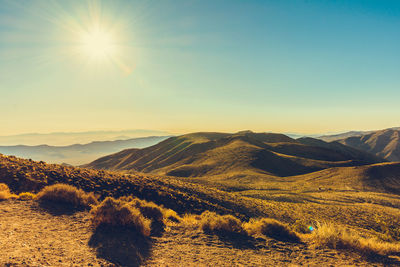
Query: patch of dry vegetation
x=191, y=219
x=118, y=213
x=23, y=175
x=24, y=196
x=5, y=192
x=66, y=195
x=150, y=211
x=212, y=222
x=171, y=215
x=341, y=205
x=338, y=237
x=271, y=228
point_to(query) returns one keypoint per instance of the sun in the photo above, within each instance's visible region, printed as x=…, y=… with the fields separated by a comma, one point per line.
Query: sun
x=98, y=44
x=97, y=40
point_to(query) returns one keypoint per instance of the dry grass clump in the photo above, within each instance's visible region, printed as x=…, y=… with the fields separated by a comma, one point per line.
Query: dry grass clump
x=171, y=215
x=4, y=187
x=118, y=213
x=191, y=219
x=26, y=196
x=212, y=222
x=271, y=228
x=5, y=192
x=151, y=210
x=68, y=195
x=338, y=237
x=148, y=209
x=300, y=226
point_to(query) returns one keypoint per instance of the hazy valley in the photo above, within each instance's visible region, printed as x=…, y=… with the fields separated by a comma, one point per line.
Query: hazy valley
x=77, y=154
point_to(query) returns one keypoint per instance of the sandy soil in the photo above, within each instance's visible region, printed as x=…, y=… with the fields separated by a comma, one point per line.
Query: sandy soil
x=33, y=236
x=30, y=236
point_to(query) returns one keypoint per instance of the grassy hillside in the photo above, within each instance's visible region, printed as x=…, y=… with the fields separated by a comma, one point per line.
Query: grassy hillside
x=210, y=154
x=298, y=200
x=383, y=143
x=23, y=175
x=382, y=177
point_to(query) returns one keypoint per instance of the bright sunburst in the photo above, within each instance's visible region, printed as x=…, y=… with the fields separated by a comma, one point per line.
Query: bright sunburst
x=98, y=39
x=98, y=44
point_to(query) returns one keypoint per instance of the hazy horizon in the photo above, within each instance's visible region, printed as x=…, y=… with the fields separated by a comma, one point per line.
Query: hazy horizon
x=72, y=138
x=60, y=139
x=303, y=67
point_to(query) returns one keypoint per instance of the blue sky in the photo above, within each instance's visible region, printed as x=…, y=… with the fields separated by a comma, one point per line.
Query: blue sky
x=182, y=66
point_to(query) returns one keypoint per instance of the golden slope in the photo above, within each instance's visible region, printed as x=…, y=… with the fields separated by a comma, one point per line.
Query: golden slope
x=384, y=143
x=205, y=154
x=381, y=177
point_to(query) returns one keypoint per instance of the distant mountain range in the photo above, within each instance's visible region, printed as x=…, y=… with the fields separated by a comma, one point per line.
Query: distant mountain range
x=70, y=138
x=243, y=153
x=382, y=143
x=78, y=154
x=200, y=154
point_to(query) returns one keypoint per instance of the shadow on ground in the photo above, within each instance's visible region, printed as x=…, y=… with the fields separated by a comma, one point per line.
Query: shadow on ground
x=386, y=260
x=120, y=246
x=157, y=228
x=237, y=240
x=57, y=208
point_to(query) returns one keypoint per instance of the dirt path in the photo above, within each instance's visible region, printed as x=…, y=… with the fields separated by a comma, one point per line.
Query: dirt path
x=31, y=236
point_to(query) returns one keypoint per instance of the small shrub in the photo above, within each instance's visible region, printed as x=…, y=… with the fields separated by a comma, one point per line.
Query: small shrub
x=212, y=222
x=337, y=237
x=67, y=195
x=171, y=215
x=301, y=227
x=148, y=209
x=4, y=187
x=26, y=196
x=151, y=210
x=271, y=228
x=191, y=219
x=5, y=192
x=117, y=213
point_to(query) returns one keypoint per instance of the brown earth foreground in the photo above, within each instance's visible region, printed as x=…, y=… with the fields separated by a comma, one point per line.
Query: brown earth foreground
x=31, y=236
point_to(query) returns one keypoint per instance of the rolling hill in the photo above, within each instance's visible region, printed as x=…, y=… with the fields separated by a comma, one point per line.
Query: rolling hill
x=380, y=177
x=242, y=153
x=383, y=143
x=79, y=153
x=23, y=175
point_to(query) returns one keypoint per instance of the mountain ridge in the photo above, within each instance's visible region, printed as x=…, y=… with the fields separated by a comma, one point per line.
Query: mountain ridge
x=383, y=143
x=203, y=153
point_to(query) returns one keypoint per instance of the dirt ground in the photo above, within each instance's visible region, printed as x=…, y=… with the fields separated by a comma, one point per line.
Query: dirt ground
x=33, y=236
